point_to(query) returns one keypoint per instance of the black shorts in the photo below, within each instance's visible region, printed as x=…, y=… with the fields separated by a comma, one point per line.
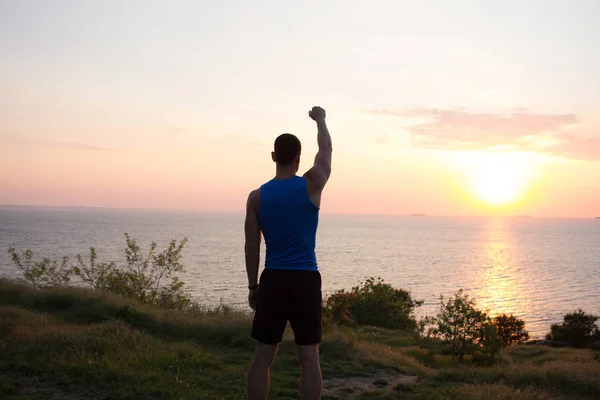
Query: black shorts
x=288, y=295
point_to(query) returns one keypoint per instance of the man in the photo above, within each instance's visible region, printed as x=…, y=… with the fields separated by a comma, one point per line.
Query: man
x=286, y=211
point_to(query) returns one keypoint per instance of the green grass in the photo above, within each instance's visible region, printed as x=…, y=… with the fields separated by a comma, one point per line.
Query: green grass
x=78, y=344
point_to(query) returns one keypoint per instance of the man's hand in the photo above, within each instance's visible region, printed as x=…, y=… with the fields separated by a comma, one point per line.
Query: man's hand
x=253, y=298
x=317, y=113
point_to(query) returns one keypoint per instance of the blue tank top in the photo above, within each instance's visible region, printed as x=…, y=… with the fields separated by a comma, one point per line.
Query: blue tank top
x=288, y=220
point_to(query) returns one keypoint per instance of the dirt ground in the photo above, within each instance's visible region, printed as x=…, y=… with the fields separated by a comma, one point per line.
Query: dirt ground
x=352, y=387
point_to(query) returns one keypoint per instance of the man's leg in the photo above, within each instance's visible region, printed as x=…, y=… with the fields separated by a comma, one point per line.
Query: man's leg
x=311, y=381
x=259, y=372
x=305, y=320
x=268, y=326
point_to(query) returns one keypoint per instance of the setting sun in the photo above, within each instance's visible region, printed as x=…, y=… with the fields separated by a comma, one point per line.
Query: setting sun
x=499, y=179
x=498, y=184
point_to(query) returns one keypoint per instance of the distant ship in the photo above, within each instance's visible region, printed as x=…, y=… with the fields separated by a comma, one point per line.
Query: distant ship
x=597, y=217
x=417, y=215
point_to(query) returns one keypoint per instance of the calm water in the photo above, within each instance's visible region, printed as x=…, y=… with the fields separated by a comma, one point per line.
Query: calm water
x=537, y=269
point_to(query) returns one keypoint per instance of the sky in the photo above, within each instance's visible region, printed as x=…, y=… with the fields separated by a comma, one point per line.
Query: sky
x=436, y=107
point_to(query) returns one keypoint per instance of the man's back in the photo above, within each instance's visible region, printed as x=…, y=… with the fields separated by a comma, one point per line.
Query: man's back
x=288, y=220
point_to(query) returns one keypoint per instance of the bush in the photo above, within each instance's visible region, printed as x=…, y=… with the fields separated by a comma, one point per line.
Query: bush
x=578, y=329
x=42, y=274
x=373, y=303
x=336, y=309
x=511, y=330
x=460, y=327
x=142, y=277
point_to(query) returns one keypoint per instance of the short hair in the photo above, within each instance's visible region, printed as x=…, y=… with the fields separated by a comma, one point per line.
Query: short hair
x=287, y=148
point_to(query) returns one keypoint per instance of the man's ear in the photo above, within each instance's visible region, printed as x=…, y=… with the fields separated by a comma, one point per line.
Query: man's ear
x=273, y=156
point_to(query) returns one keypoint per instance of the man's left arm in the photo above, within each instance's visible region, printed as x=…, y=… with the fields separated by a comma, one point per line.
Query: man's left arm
x=253, y=238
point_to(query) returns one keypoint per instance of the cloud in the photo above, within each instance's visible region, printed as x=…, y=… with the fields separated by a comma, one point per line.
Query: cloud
x=577, y=147
x=553, y=134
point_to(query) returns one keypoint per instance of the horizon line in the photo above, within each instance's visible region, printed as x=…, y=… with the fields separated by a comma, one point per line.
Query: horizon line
x=241, y=211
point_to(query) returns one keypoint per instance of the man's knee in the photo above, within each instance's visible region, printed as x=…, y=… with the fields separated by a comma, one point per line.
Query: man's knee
x=308, y=356
x=265, y=354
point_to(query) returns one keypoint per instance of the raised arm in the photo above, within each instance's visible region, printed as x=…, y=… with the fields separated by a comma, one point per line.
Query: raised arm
x=320, y=172
x=252, y=244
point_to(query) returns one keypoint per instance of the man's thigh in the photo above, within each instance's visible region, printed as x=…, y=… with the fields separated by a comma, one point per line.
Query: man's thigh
x=306, y=310
x=270, y=318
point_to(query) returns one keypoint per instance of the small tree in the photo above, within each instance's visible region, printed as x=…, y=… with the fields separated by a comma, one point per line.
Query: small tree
x=96, y=275
x=142, y=277
x=578, y=328
x=42, y=274
x=461, y=327
x=426, y=333
x=373, y=303
x=491, y=342
x=511, y=330
x=378, y=303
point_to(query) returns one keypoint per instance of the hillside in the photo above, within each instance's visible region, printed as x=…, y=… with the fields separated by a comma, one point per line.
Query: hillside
x=79, y=344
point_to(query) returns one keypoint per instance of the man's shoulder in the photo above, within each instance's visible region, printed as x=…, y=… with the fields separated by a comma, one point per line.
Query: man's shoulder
x=254, y=197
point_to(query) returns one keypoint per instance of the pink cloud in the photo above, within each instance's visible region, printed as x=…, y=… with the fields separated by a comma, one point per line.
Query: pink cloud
x=518, y=130
x=577, y=147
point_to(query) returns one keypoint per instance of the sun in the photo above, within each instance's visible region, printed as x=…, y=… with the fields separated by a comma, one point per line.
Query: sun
x=500, y=179
x=497, y=184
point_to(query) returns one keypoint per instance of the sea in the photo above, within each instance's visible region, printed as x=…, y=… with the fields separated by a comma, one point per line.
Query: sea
x=534, y=268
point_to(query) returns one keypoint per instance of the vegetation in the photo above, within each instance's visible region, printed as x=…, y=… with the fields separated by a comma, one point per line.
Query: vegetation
x=460, y=327
x=511, y=330
x=372, y=303
x=578, y=328
x=82, y=344
x=131, y=332
x=142, y=277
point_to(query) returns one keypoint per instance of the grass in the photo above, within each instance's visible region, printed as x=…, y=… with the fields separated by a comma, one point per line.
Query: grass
x=79, y=344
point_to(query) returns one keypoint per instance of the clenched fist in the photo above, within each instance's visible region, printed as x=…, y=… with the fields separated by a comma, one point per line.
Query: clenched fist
x=317, y=113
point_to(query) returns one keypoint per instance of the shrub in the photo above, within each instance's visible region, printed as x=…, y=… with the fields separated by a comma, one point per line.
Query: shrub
x=578, y=328
x=460, y=327
x=491, y=342
x=373, y=303
x=336, y=309
x=426, y=333
x=42, y=274
x=511, y=330
x=377, y=303
x=149, y=278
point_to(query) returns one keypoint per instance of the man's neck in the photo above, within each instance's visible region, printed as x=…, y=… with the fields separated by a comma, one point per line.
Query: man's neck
x=282, y=173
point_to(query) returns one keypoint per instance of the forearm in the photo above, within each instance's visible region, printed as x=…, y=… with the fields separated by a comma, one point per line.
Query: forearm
x=252, y=264
x=323, y=136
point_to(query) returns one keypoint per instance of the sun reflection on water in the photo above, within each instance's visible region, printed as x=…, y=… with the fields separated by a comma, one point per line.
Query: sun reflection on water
x=499, y=280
